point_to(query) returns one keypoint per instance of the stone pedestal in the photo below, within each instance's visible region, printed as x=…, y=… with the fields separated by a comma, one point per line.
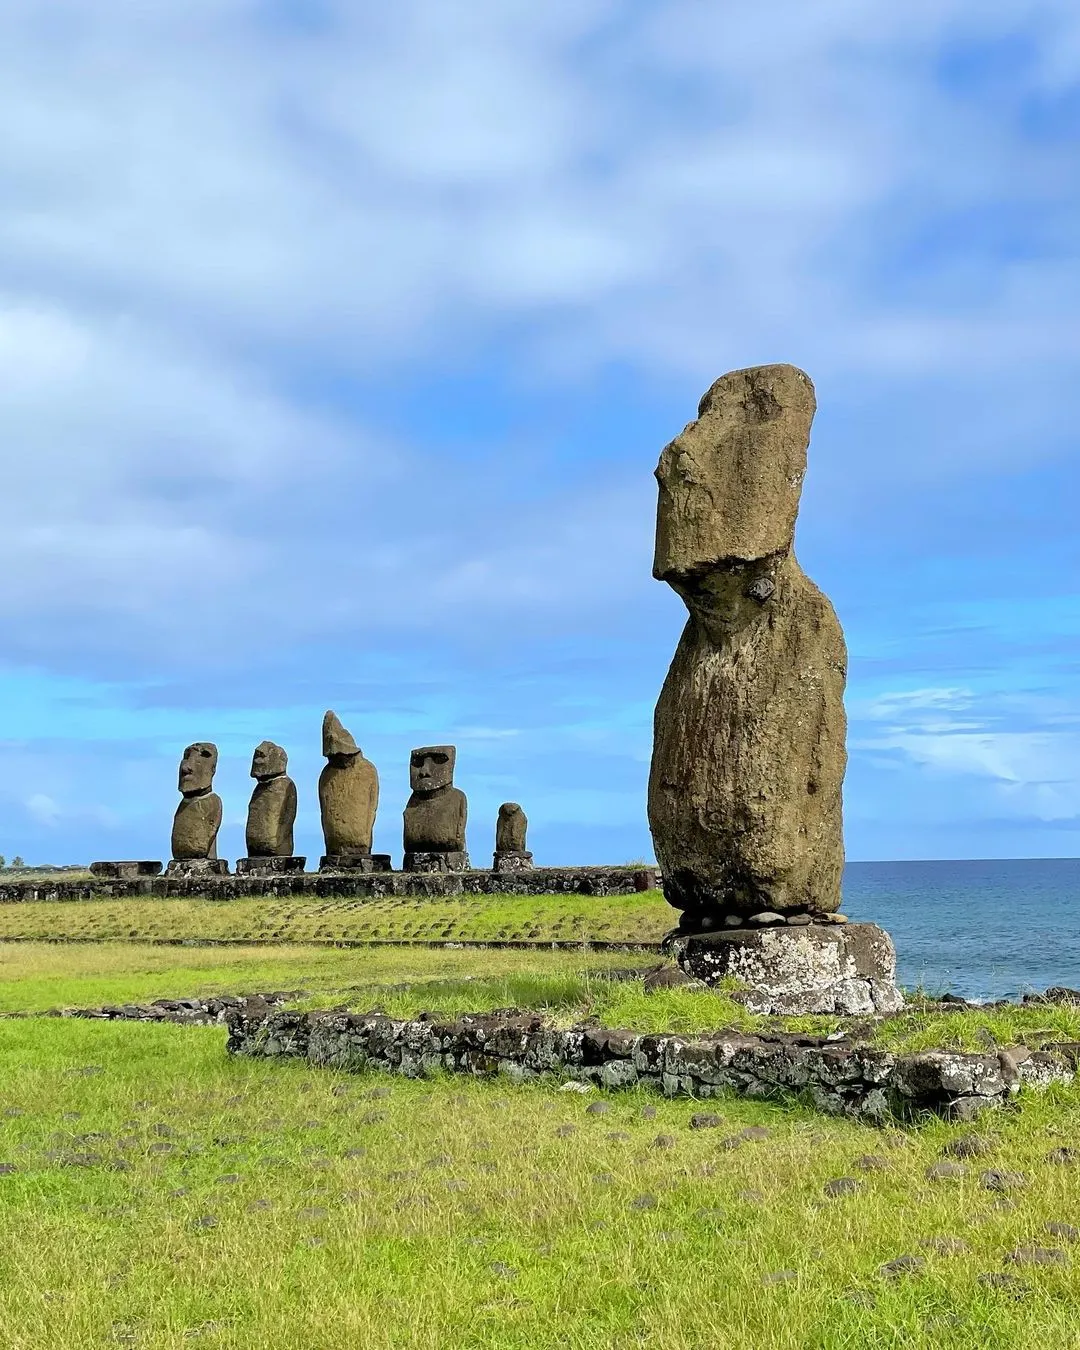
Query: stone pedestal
x=125, y=871
x=457, y=861
x=269, y=867
x=817, y=968
x=512, y=860
x=355, y=862
x=184, y=868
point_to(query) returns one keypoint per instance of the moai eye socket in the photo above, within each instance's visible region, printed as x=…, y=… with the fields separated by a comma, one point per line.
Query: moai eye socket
x=205, y=754
x=439, y=759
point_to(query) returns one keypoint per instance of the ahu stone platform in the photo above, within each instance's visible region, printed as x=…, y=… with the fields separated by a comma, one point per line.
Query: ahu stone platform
x=345, y=885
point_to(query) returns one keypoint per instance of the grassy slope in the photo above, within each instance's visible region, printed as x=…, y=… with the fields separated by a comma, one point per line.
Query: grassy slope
x=620, y=918
x=471, y=1221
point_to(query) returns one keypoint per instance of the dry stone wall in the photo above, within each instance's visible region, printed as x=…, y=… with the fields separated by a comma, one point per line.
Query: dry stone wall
x=838, y=1076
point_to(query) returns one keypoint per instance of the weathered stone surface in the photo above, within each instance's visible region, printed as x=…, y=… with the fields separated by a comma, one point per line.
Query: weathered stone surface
x=354, y=881
x=355, y=862
x=198, y=817
x=348, y=792
x=272, y=809
x=816, y=968
x=196, y=869
x=511, y=851
x=125, y=871
x=270, y=867
x=436, y=813
x=855, y=1080
x=748, y=753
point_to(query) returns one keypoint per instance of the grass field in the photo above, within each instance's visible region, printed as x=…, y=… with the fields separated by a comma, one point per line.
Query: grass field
x=643, y=917
x=156, y=1193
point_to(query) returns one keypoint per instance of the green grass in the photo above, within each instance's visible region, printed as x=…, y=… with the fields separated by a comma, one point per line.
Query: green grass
x=470, y=1220
x=643, y=917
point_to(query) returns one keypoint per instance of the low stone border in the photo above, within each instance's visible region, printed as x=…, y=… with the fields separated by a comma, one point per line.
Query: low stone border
x=598, y=881
x=187, y=1011
x=838, y=1075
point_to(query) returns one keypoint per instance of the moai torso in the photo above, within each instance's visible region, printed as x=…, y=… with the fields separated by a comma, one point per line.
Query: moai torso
x=272, y=809
x=348, y=792
x=510, y=829
x=748, y=751
x=436, y=812
x=198, y=817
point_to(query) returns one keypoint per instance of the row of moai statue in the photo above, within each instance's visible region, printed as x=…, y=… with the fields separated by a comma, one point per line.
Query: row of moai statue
x=434, y=821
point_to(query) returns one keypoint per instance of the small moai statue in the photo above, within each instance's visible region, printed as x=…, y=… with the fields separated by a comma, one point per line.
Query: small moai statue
x=436, y=813
x=348, y=801
x=198, y=817
x=511, y=855
x=271, y=814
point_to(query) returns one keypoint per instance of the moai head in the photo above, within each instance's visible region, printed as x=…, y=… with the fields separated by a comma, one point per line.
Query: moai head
x=509, y=811
x=432, y=767
x=730, y=483
x=337, y=743
x=268, y=761
x=197, y=768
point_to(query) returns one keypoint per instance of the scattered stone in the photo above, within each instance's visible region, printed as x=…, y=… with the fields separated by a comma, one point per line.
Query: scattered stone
x=765, y=918
x=1036, y=1256
x=648, y=1113
x=1063, y=1157
x=7, y=1168
x=206, y=1221
x=969, y=1146
x=871, y=1162
x=944, y=1246
x=618, y=1136
x=666, y=977
x=861, y=1298
x=355, y=1153
x=760, y=664
x=752, y=1132
x=996, y=1180
x=372, y=1117
x=902, y=1265
x=946, y=1171
x=732, y=1141
x=780, y=1277
x=644, y=1202
x=1067, y=1231
x=842, y=1186
x=597, y=1109
x=1007, y=1284
x=664, y=1141
x=565, y=1131
x=798, y=920
x=705, y=1120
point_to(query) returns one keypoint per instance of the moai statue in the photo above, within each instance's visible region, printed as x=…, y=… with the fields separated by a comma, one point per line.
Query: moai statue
x=748, y=752
x=436, y=813
x=348, y=801
x=511, y=854
x=198, y=817
x=271, y=814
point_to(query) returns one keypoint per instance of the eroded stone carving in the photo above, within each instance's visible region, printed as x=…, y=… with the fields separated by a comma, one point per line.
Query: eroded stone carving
x=198, y=817
x=748, y=752
x=348, y=799
x=511, y=853
x=271, y=815
x=436, y=813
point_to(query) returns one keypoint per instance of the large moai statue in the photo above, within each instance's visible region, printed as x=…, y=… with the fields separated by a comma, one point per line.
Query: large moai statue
x=198, y=817
x=271, y=815
x=348, y=801
x=436, y=813
x=511, y=853
x=748, y=750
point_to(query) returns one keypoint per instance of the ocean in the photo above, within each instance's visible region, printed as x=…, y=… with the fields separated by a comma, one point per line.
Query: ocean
x=980, y=929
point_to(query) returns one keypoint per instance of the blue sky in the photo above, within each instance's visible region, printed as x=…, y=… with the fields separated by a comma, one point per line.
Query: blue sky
x=340, y=341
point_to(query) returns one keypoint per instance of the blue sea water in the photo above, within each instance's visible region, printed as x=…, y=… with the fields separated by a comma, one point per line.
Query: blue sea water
x=980, y=929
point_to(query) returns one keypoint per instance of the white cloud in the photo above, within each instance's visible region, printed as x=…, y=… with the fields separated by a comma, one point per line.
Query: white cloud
x=43, y=809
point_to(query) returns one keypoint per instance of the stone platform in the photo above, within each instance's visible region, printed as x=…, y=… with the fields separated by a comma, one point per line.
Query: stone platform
x=346, y=885
x=270, y=867
x=816, y=968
